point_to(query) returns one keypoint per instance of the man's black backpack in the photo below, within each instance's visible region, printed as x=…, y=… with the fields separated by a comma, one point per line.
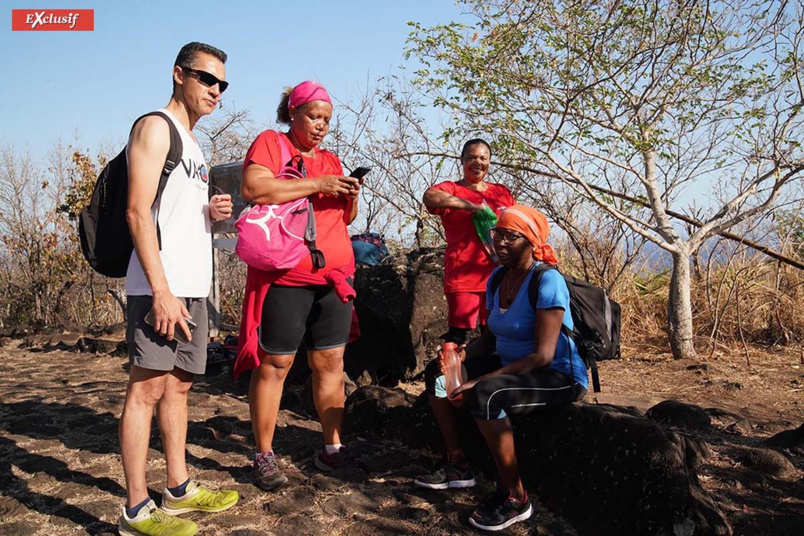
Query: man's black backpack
x=105, y=237
x=595, y=316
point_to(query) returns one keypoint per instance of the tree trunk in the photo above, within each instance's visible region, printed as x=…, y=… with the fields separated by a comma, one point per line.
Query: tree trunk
x=120, y=298
x=38, y=313
x=419, y=232
x=679, y=309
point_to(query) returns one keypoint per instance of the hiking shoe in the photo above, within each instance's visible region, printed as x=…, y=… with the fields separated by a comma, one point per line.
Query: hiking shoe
x=332, y=462
x=267, y=474
x=150, y=520
x=198, y=498
x=447, y=476
x=500, y=510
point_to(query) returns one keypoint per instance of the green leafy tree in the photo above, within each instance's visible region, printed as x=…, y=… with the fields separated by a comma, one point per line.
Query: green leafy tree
x=650, y=99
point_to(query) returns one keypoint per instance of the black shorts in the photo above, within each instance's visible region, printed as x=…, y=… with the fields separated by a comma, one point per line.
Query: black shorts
x=313, y=313
x=512, y=394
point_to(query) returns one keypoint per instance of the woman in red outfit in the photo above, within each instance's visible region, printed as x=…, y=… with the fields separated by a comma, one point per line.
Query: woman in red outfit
x=467, y=266
x=302, y=304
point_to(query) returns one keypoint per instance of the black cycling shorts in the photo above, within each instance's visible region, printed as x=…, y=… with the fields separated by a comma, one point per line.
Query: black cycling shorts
x=511, y=394
x=313, y=313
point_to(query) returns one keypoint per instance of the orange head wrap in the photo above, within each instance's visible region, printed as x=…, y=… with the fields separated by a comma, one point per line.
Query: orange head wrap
x=533, y=225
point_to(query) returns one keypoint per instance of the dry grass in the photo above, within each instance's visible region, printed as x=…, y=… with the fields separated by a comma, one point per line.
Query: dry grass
x=747, y=304
x=737, y=302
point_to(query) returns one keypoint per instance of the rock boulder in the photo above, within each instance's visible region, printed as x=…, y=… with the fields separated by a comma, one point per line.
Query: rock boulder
x=402, y=311
x=606, y=469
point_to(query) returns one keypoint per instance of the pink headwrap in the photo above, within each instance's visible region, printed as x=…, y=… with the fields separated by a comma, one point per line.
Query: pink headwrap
x=306, y=92
x=533, y=225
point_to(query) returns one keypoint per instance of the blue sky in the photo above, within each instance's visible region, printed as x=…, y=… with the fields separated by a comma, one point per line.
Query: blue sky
x=89, y=86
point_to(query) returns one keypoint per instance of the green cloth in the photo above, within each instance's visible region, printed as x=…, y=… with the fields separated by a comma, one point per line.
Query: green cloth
x=485, y=220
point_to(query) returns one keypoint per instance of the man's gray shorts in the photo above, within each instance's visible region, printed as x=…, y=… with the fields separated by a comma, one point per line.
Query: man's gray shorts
x=150, y=350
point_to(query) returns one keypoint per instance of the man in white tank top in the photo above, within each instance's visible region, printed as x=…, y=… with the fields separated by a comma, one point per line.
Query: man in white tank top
x=172, y=281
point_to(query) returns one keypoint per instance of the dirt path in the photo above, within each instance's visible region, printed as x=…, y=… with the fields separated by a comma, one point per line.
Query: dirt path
x=766, y=386
x=60, y=472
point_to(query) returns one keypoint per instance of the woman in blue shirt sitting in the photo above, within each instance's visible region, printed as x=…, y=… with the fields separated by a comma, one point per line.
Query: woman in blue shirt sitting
x=522, y=361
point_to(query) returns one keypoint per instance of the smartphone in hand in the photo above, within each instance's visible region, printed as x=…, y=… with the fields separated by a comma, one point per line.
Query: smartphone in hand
x=360, y=173
x=178, y=333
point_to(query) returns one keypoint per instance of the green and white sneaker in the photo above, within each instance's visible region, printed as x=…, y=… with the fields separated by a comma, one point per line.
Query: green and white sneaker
x=198, y=498
x=151, y=521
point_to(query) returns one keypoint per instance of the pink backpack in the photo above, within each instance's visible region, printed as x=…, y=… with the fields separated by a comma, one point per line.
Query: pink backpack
x=278, y=236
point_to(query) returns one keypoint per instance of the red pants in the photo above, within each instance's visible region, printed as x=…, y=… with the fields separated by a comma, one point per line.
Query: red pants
x=465, y=308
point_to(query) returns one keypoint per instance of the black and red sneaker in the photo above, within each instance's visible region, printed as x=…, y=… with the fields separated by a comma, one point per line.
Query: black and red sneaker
x=268, y=476
x=500, y=510
x=342, y=459
x=446, y=477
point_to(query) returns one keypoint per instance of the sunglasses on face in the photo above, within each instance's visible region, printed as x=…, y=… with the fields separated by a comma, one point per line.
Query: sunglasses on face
x=206, y=78
x=500, y=235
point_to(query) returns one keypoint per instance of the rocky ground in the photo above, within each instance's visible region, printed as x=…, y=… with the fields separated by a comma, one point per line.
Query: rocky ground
x=60, y=471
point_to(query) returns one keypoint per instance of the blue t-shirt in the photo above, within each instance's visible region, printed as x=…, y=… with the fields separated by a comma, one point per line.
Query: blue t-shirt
x=514, y=327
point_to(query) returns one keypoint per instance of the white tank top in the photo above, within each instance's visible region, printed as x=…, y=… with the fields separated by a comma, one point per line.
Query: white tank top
x=183, y=214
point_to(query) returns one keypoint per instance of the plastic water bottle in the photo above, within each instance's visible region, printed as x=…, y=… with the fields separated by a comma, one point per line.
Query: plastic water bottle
x=453, y=378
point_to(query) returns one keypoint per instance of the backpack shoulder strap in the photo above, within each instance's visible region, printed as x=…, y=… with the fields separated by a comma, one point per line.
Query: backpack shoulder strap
x=310, y=233
x=284, y=154
x=171, y=160
x=533, y=285
x=535, y=279
x=497, y=277
x=174, y=152
x=533, y=296
x=533, y=289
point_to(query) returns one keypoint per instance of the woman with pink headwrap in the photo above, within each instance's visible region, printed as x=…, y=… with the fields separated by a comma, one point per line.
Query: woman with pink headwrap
x=311, y=302
x=523, y=360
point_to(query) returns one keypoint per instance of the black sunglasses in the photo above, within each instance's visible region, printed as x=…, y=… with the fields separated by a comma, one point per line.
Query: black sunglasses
x=207, y=79
x=499, y=235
